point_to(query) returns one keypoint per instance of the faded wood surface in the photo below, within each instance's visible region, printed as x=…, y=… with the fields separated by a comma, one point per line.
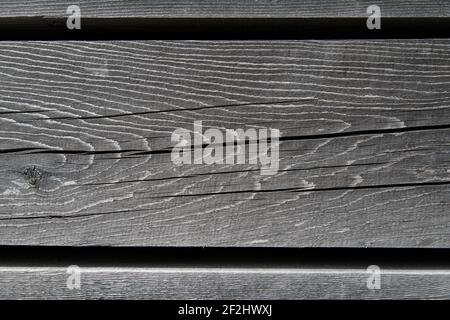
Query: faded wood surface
x=221, y=283
x=227, y=8
x=363, y=157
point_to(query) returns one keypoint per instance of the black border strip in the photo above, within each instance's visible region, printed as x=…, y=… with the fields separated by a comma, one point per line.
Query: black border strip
x=398, y=258
x=42, y=28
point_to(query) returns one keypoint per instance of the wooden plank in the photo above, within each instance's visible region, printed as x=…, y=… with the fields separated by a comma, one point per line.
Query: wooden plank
x=220, y=283
x=85, y=143
x=222, y=273
x=228, y=8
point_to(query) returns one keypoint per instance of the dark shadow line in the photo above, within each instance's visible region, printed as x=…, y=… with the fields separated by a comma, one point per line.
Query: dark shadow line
x=260, y=28
x=219, y=257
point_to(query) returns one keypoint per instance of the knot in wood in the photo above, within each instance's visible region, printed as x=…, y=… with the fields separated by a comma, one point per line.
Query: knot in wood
x=33, y=176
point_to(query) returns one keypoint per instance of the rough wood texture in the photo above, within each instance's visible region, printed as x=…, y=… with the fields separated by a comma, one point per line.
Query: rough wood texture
x=227, y=8
x=85, y=143
x=221, y=283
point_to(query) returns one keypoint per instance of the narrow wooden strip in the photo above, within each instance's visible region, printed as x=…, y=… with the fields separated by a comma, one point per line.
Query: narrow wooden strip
x=228, y=8
x=220, y=283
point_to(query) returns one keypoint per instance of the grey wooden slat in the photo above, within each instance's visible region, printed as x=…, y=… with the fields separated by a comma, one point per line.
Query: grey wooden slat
x=227, y=8
x=221, y=283
x=363, y=159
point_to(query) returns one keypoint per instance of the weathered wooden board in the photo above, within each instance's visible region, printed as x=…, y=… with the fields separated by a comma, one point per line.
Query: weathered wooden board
x=223, y=273
x=227, y=8
x=221, y=283
x=85, y=143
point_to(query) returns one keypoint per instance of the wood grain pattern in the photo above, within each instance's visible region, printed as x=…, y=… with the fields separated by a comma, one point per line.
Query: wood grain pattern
x=221, y=283
x=85, y=143
x=227, y=8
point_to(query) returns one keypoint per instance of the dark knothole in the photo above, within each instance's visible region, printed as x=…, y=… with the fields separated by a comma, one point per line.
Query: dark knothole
x=33, y=176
